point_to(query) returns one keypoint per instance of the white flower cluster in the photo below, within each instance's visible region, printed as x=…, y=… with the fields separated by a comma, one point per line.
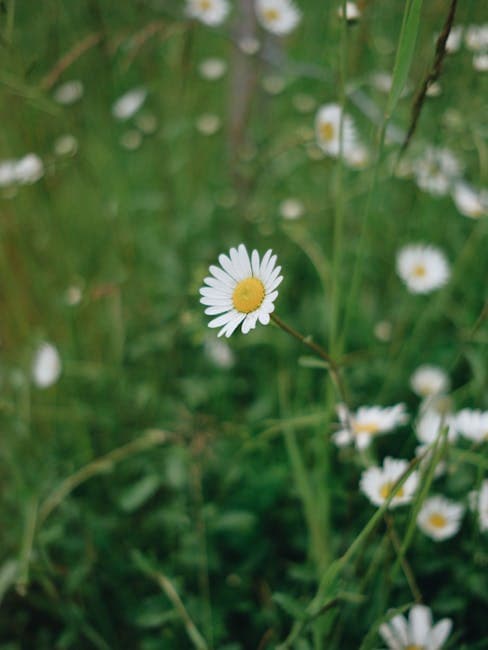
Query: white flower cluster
x=24, y=171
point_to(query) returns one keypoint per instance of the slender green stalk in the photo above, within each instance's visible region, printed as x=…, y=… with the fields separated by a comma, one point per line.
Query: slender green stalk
x=27, y=545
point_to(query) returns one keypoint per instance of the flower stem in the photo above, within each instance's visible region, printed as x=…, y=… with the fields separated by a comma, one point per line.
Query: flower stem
x=319, y=350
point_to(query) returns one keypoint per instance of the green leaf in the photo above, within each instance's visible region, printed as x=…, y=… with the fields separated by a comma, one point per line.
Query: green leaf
x=405, y=51
x=291, y=606
x=137, y=494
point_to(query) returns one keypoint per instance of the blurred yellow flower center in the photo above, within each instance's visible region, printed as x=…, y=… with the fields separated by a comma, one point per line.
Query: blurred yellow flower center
x=385, y=490
x=414, y=647
x=419, y=271
x=437, y=520
x=248, y=295
x=271, y=14
x=205, y=5
x=326, y=131
x=365, y=427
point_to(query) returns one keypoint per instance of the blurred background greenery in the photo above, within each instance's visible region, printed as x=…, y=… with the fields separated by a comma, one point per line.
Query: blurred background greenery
x=103, y=257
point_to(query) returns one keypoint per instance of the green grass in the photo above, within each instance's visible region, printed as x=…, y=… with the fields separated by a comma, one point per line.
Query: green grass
x=150, y=499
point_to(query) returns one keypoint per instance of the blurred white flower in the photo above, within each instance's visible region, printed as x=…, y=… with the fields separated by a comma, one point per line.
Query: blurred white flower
x=29, y=169
x=291, y=209
x=131, y=140
x=304, y=103
x=476, y=38
x=417, y=633
x=470, y=202
x=429, y=380
x=7, y=173
x=273, y=84
x=440, y=518
x=241, y=290
x=425, y=453
x=212, y=68
x=219, y=353
x=249, y=45
x=478, y=501
x=208, y=124
x=277, y=16
x=455, y=39
x=472, y=424
x=129, y=103
x=366, y=423
x=46, y=367
x=382, y=330
x=73, y=296
x=328, y=130
x=436, y=170
x=66, y=145
x=353, y=12
x=480, y=62
x=147, y=123
x=377, y=483
x=434, y=89
x=69, y=92
x=357, y=156
x=423, y=268
x=209, y=12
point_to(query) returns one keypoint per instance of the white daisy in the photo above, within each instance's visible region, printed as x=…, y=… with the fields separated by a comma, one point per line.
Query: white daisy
x=470, y=202
x=423, y=268
x=209, y=12
x=29, y=169
x=472, y=424
x=425, y=453
x=7, y=173
x=212, y=69
x=208, y=123
x=129, y=103
x=69, y=92
x=277, y=16
x=480, y=62
x=368, y=421
x=249, y=45
x=328, y=130
x=65, y=145
x=454, y=40
x=377, y=482
x=242, y=290
x=478, y=501
x=429, y=380
x=46, y=367
x=417, y=633
x=440, y=518
x=437, y=170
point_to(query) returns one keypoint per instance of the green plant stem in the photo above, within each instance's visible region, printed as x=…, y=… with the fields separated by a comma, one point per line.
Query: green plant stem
x=407, y=569
x=27, y=545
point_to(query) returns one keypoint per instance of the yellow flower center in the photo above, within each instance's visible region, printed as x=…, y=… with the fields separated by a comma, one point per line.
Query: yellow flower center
x=414, y=647
x=365, y=427
x=271, y=14
x=326, y=130
x=437, y=520
x=419, y=271
x=205, y=5
x=385, y=490
x=248, y=295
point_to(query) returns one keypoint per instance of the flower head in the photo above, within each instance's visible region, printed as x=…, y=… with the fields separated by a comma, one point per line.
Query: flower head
x=209, y=12
x=242, y=290
x=277, y=16
x=417, y=633
x=430, y=424
x=472, y=424
x=377, y=483
x=46, y=367
x=440, y=518
x=422, y=268
x=366, y=423
x=69, y=92
x=470, y=202
x=328, y=131
x=429, y=380
x=212, y=68
x=128, y=105
x=437, y=170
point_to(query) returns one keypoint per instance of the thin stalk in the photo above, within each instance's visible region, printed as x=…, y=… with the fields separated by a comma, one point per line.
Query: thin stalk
x=407, y=569
x=27, y=545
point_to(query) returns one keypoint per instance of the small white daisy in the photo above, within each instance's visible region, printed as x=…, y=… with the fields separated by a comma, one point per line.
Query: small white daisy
x=129, y=103
x=29, y=169
x=480, y=62
x=328, y=130
x=7, y=173
x=478, y=500
x=476, y=38
x=249, y=45
x=423, y=268
x=208, y=123
x=69, y=92
x=242, y=290
x=429, y=380
x=65, y=145
x=377, y=483
x=470, y=202
x=472, y=424
x=353, y=13
x=209, y=12
x=417, y=633
x=366, y=423
x=440, y=518
x=46, y=367
x=436, y=170
x=455, y=39
x=277, y=16
x=212, y=69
